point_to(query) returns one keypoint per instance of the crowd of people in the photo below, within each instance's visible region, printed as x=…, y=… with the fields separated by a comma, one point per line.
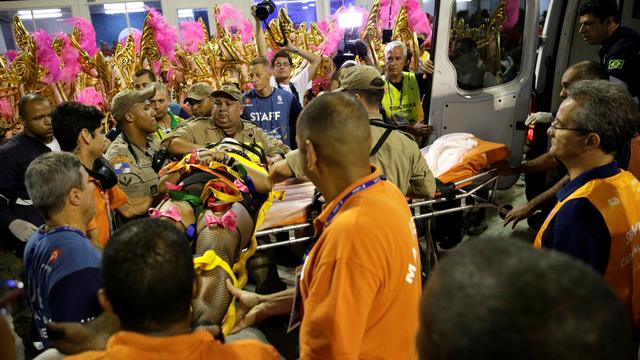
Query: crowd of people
x=136, y=241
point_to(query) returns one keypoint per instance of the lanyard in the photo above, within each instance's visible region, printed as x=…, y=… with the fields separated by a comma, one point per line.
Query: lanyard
x=335, y=210
x=391, y=97
x=356, y=190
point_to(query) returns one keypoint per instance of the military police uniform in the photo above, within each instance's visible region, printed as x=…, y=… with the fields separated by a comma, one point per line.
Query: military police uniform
x=203, y=131
x=620, y=54
x=132, y=164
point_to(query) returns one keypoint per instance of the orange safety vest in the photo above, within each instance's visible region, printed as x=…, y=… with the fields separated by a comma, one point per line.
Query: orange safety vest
x=617, y=198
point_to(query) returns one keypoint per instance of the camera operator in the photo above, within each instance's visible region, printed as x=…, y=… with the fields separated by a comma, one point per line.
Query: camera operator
x=282, y=62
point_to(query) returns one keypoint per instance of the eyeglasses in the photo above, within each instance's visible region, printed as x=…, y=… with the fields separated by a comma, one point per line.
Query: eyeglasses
x=556, y=126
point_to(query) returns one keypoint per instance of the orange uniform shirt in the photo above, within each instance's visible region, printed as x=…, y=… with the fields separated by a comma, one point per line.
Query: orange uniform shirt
x=361, y=282
x=106, y=201
x=197, y=345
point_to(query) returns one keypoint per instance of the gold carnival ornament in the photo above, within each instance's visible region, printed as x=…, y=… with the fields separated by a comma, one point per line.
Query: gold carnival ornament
x=219, y=59
x=486, y=36
x=281, y=30
x=402, y=31
x=124, y=62
x=148, y=48
x=372, y=35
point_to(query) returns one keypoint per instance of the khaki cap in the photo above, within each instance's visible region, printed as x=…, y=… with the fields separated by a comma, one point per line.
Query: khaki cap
x=124, y=100
x=199, y=91
x=360, y=77
x=228, y=91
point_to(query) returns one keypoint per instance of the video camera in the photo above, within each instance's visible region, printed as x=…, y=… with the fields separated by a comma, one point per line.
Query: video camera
x=264, y=8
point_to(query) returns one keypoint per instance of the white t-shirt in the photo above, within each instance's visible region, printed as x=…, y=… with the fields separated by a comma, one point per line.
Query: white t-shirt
x=54, y=145
x=301, y=81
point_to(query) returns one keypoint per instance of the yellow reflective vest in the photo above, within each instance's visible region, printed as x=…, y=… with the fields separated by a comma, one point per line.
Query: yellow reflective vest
x=404, y=103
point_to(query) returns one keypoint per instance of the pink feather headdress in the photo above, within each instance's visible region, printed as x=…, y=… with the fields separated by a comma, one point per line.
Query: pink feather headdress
x=6, y=110
x=87, y=34
x=192, y=35
x=332, y=33
x=418, y=19
x=46, y=56
x=70, y=58
x=512, y=10
x=164, y=34
x=91, y=97
x=233, y=20
x=383, y=13
x=11, y=55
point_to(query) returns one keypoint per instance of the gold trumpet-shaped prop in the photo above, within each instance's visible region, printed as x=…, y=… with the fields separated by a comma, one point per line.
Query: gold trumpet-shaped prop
x=282, y=30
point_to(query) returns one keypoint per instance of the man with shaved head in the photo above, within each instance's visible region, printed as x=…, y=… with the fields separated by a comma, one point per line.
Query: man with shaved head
x=501, y=299
x=360, y=284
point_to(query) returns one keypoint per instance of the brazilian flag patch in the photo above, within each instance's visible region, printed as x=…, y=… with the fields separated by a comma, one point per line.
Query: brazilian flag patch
x=615, y=64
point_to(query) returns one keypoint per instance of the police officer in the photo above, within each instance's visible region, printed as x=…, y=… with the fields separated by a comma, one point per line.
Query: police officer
x=620, y=46
x=394, y=152
x=18, y=218
x=131, y=153
x=226, y=122
x=199, y=100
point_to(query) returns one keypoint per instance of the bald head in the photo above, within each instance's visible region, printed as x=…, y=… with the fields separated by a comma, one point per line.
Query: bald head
x=338, y=126
x=584, y=70
x=495, y=298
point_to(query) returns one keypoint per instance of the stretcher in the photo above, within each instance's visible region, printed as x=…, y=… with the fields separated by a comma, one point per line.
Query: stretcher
x=462, y=181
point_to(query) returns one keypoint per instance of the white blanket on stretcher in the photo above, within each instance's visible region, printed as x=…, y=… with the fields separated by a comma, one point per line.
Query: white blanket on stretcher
x=446, y=152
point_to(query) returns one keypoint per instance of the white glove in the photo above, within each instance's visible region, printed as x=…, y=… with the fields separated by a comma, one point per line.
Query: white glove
x=539, y=117
x=22, y=229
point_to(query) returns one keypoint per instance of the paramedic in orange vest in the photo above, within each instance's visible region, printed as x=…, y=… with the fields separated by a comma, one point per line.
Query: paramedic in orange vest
x=359, y=287
x=597, y=217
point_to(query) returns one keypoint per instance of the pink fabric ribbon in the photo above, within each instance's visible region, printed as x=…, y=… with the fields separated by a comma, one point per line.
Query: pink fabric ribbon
x=226, y=221
x=242, y=187
x=171, y=186
x=172, y=213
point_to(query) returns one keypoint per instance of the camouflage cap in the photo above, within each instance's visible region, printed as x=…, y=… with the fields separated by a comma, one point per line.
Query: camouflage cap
x=228, y=91
x=360, y=77
x=124, y=100
x=199, y=91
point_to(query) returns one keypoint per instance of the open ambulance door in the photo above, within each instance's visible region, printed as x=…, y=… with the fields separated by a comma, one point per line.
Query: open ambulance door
x=483, y=73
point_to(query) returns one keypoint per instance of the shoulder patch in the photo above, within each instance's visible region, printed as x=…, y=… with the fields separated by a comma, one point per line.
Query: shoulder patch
x=122, y=168
x=615, y=64
x=121, y=159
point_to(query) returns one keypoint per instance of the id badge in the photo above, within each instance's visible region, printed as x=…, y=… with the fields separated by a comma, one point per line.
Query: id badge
x=297, y=310
x=400, y=120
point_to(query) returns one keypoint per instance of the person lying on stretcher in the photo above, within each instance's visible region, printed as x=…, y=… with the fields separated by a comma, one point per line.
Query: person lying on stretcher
x=217, y=196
